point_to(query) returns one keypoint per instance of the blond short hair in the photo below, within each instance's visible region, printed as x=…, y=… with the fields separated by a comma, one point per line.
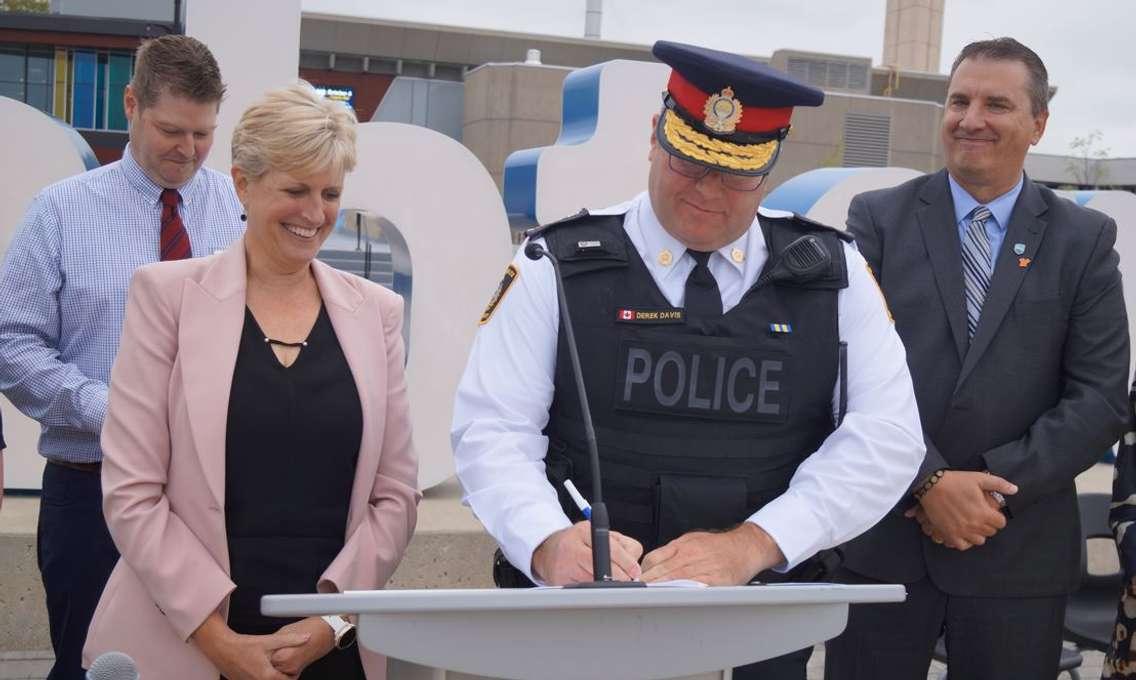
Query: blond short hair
x=293, y=129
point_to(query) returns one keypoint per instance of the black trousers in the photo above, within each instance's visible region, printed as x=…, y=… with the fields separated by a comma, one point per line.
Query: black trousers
x=988, y=638
x=791, y=666
x=75, y=555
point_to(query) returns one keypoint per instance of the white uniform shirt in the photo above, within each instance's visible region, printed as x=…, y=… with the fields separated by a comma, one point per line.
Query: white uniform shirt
x=856, y=476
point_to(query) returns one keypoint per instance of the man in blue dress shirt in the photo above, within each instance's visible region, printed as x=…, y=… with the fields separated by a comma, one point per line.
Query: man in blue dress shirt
x=64, y=282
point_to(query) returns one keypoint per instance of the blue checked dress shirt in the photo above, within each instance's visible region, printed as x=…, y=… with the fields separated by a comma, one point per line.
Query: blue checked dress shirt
x=63, y=285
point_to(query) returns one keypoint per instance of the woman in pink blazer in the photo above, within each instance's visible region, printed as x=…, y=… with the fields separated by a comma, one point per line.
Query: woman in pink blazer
x=258, y=434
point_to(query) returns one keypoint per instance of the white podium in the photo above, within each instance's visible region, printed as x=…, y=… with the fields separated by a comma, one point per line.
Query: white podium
x=574, y=634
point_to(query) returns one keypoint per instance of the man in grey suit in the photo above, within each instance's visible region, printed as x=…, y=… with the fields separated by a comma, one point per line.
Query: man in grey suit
x=1008, y=300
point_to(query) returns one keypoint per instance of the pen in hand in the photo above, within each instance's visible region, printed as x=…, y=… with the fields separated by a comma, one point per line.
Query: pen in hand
x=578, y=499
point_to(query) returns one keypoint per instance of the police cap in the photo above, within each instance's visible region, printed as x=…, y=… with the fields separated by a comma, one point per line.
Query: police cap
x=726, y=111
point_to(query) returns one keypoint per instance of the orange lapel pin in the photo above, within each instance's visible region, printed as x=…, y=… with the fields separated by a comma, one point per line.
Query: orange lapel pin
x=1024, y=262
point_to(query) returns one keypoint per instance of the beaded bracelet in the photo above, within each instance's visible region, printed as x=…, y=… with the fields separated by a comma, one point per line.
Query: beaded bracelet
x=932, y=480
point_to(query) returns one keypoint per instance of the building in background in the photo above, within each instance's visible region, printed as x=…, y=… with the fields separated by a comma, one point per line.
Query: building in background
x=72, y=59
x=505, y=88
x=497, y=91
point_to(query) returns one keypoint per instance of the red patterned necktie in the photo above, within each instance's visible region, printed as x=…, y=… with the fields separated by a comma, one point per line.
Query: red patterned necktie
x=175, y=239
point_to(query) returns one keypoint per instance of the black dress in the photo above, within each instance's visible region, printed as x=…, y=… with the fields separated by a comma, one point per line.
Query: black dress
x=291, y=445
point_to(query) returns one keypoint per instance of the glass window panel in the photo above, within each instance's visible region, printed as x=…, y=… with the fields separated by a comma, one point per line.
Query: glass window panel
x=448, y=72
x=817, y=73
x=309, y=59
x=11, y=65
x=799, y=69
x=837, y=74
x=41, y=68
x=12, y=90
x=83, y=89
x=39, y=96
x=59, y=107
x=380, y=65
x=100, y=92
x=415, y=69
x=119, y=77
x=348, y=62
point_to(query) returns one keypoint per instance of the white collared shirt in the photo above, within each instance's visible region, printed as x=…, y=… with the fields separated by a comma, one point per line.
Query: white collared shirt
x=856, y=476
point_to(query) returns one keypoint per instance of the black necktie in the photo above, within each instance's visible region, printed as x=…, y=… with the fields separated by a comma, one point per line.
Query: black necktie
x=703, y=299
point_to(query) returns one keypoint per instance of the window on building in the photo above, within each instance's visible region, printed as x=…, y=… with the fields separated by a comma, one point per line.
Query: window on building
x=81, y=86
x=382, y=65
x=119, y=69
x=84, y=65
x=310, y=59
x=40, y=74
x=449, y=72
x=350, y=63
x=12, y=73
x=830, y=74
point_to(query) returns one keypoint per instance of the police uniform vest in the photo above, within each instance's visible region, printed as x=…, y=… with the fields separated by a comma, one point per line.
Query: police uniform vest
x=699, y=423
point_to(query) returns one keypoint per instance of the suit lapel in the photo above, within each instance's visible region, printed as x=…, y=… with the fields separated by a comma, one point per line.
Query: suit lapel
x=209, y=335
x=1027, y=226
x=940, y=236
x=355, y=329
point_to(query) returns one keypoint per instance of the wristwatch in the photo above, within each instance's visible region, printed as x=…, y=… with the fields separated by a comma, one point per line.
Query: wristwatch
x=342, y=629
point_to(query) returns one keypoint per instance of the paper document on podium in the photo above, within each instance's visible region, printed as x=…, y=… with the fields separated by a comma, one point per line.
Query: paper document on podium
x=677, y=583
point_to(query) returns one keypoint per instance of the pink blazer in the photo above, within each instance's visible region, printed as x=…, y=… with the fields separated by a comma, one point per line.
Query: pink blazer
x=163, y=446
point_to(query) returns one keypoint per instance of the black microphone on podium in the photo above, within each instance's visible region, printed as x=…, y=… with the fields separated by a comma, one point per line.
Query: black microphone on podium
x=601, y=528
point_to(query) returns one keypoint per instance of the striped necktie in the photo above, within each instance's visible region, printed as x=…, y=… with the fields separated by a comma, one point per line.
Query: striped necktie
x=976, y=266
x=174, y=239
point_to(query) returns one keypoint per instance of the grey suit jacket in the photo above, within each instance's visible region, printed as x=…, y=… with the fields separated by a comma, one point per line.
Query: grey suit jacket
x=1036, y=397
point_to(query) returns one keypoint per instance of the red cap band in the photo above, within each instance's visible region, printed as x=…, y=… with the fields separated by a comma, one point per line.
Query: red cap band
x=754, y=120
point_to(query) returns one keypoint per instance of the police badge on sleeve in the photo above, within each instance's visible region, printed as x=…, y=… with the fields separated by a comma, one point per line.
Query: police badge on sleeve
x=511, y=274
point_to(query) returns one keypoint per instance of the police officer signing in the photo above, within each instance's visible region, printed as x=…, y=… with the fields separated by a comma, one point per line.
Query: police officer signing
x=712, y=337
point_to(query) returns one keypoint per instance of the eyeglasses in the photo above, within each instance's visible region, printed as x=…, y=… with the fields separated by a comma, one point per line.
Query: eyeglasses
x=730, y=181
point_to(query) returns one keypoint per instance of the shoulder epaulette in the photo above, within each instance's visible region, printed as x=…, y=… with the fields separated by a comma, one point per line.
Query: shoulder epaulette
x=539, y=230
x=803, y=223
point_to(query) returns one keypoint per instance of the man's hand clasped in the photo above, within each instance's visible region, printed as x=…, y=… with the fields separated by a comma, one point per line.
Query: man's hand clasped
x=960, y=510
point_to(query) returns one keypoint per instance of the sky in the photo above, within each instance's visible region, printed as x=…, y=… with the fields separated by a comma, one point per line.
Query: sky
x=1087, y=45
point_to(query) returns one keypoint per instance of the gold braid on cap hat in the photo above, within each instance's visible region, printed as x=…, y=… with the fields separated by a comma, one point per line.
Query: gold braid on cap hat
x=693, y=144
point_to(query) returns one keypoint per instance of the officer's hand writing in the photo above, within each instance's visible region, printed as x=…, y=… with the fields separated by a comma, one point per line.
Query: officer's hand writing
x=726, y=558
x=566, y=556
x=959, y=511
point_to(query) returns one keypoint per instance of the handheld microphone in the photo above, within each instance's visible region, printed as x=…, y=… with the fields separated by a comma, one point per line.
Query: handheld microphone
x=601, y=527
x=113, y=666
x=801, y=260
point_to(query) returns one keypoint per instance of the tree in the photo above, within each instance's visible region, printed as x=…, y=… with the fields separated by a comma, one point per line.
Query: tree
x=28, y=6
x=1085, y=156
